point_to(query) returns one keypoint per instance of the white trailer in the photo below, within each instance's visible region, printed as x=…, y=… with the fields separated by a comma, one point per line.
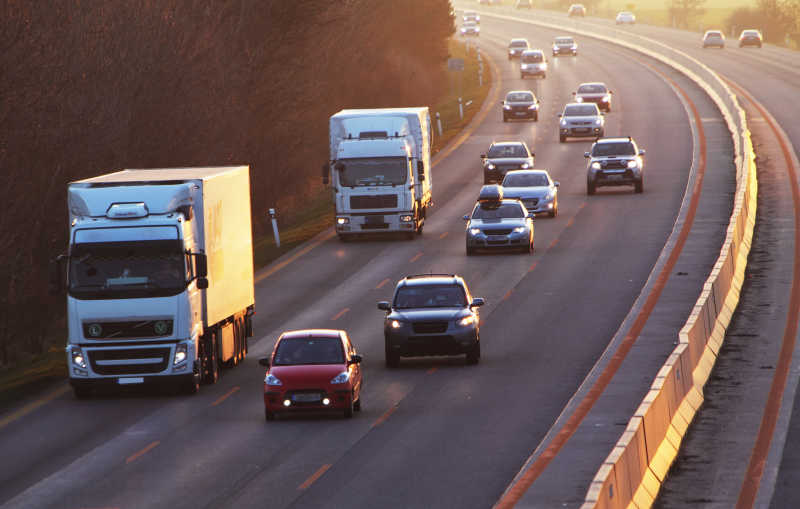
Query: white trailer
x=380, y=170
x=159, y=276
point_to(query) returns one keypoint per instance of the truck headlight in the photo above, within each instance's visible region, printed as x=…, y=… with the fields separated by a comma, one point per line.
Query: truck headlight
x=341, y=378
x=519, y=229
x=632, y=164
x=181, y=353
x=272, y=380
x=595, y=165
x=467, y=321
x=474, y=231
x=77, y=357
x=406, y=218
x=342, y=220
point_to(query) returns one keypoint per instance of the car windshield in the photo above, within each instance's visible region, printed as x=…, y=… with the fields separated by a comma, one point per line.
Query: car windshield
x=591, y=89
x=748, y=33
x=519, y=44
x=713, y=35
x=623, y=148
x=430, y=296
x=501, y=151
x=519, y=97
x=525, y=180
x=580, y=110
x=561, y=41
x=532, y=58
x=379, y=171
x=127, y=269
x=308, y=350
x=498, y=211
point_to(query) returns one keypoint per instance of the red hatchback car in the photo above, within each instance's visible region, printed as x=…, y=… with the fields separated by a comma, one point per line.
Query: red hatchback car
x=314, y=369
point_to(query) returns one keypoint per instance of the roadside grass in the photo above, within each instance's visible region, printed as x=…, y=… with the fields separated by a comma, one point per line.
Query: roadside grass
x=296, y=224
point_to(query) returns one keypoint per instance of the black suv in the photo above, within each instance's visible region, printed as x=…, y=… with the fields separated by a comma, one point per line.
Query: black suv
x=431, y=314
x=503, y=157
x=615, y=162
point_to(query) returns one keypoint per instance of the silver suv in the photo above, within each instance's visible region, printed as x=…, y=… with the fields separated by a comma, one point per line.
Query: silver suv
x=615, y=162
x=581, y=120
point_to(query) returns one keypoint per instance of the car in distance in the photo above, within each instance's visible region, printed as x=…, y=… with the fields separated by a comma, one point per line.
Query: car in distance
x=565, y=45
x=615, y=162
x=470, y=28
x=471, y=16
x=312, y=369
x=581, y=120
x=713, y=38
x=503, y=157
x=532, y=62
x=523, y=4
x=625, y=18
x=498, y=223
x=750, y=38
x=597, y=93
x=576, y=10
x=516, y=47
x=534, y=188
x=521, y=104
x=431, y=314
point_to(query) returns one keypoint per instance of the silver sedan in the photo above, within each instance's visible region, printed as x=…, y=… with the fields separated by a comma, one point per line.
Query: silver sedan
x=534, y=188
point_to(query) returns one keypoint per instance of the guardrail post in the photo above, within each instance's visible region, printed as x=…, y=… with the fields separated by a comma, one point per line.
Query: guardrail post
x=275, y=227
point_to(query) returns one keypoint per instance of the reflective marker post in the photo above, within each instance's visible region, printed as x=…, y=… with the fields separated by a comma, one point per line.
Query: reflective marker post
x=275, y=227
x=460, y=109
x=439, y=123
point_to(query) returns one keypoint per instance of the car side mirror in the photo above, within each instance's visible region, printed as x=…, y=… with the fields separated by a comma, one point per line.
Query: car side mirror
x=556, y=183
x=325, y=175
x=421, y=170
x=384, y=305
x=477, y=302
x=574, y=93
x=587, y=154
x=483, y=156
x=465, y=217
x=641, y=152
x=532, y=215
x=355, y=359
x=264, y=361
x=559, y=115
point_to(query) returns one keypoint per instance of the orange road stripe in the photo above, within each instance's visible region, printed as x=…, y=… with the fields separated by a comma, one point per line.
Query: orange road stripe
x=311, y=480
x=533, y=266
x=515, y=492
x=758, y=456
x=443, y=235
x=508, y=294
x=380, y=420
x=30, y=407
x=432, y=370
x=225, y=396
x=416, y=257
x=133, y=457
x=571, y=221
x=382, y=283
x=553, y=244
x=340, y=314
x=582, y=205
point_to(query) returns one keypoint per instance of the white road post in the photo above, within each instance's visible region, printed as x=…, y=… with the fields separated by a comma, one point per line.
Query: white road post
x=460, y=109
x=439, y=123
x=275, y=227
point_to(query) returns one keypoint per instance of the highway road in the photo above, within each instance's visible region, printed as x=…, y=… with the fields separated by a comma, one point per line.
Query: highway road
x=434, y=432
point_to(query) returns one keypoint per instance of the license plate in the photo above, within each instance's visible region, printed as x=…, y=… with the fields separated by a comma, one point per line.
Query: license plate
x=614, y=177
x=497, y=238
x=305, y=398
x=520, y=113
x=131, y=380
x=582, y=130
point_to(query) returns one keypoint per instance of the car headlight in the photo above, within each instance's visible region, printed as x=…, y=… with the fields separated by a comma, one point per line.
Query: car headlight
x=598, y=121
x=579, y=99
x=272, y=380
x=406, y=218
x=506, y=107
x=342, y=220
x=533, y=107
x=632, y=164
x=77, y=358
x=595, y=165
x=180, y=354
x=474, y=231
x=525, y=166
x=467, y=321
x=395, y=324
x=519, y=229
x=606, y=98
x=563, y=123
x=490, y=166
x=341, y=378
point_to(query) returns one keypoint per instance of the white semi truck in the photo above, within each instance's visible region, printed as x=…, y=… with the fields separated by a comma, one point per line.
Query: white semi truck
x=380, y=170
x=159, y=277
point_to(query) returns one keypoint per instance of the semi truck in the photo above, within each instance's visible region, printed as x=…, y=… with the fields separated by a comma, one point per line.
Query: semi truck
x=380, y=170
x=158, y=277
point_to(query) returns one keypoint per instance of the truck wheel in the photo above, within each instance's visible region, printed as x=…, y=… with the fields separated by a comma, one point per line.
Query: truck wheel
x=474, y=355
x=82, y=392
x=191, y=385
x=210, y=358
x=392, y=358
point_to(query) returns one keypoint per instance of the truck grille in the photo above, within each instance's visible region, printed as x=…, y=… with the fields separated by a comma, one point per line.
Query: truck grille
x=429, y=327
x=134, y=329
x=129, y=361
x=381, y=201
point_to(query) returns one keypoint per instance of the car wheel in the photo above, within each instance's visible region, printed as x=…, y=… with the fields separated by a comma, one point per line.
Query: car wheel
x=470, y=251
x=505, y=118
x=590, y=187
x=348, y=411
x=268, y=415
x=392, y=358
x=544, y=75
x=191, y=385
x=536, y=117
x=562, y=138
x=638, y=186
x=357, y=404
x=554, y=212
x=474, y=354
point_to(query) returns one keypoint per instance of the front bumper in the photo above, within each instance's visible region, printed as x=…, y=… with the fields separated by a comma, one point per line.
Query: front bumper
x=526, y=113
x=312, y=399
x=375, y=222
x=510, y=240
x=124, y=364
x=581, y=131
x=565, y=51
x=539, y=206
x=608, y=178
x=453, y=341
x=533, y=71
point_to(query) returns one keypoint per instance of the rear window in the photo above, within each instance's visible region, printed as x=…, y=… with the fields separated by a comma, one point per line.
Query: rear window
x=591, y=89
x=519, y=97
x=564, y=40
x=519, y=44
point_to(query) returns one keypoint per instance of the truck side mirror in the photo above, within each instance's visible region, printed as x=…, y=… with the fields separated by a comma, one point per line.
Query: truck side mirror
x=56, y=285
x=421, y=170
x=325, y=179
x=201, y=265
x=338, y=166
x=202, y=283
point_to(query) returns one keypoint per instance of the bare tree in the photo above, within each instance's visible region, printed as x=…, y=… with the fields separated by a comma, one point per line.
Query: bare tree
x=684, y=12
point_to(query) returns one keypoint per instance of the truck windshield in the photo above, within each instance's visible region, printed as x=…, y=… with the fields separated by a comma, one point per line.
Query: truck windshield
x=140, y=269
x=381, y=171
